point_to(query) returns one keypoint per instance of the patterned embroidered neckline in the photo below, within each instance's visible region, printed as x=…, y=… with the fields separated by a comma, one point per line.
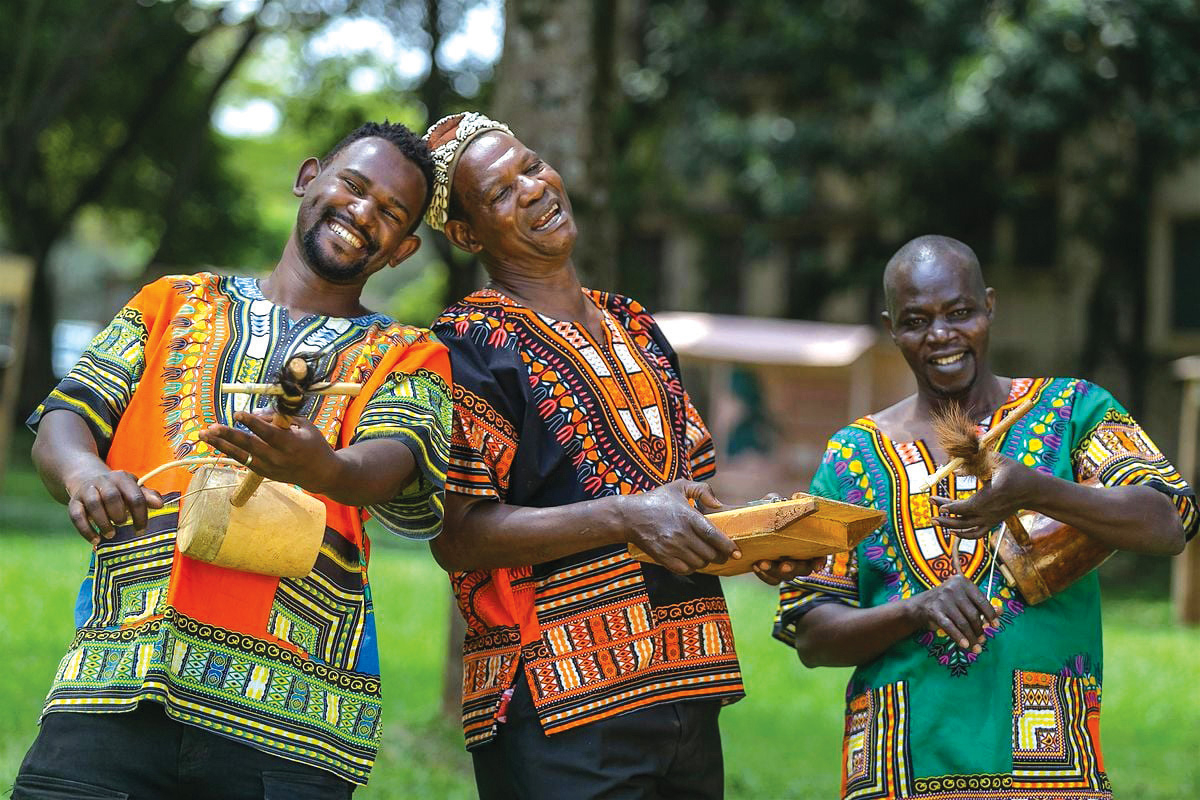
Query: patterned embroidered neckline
x=1020, y=389
x=248, y=288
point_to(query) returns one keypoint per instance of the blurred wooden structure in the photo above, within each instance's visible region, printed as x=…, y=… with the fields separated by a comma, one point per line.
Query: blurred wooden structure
x=814, y=378
x=16, y=284
x=1185, y=578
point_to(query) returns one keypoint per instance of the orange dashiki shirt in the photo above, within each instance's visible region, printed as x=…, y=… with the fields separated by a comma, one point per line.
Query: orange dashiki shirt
x=286, y=665
x=544, y=416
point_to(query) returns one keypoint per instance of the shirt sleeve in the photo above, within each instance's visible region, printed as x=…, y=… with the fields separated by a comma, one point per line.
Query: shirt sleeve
x=99, y=387
x=1110, y=448
x=487, y=402
x=412, y=405
x=837, y=581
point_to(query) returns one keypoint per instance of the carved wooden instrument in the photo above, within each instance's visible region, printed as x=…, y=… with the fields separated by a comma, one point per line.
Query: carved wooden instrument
x=803, y=527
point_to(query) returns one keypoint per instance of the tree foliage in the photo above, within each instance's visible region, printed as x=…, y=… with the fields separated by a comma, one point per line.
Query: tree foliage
x=781, y=120
x=105, y=114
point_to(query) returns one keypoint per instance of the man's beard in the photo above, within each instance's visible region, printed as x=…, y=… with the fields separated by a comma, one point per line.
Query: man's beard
x=327, y=267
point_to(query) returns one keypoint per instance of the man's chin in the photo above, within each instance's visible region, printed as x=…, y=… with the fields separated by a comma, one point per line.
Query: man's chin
x=953, y=388
x=342, y=275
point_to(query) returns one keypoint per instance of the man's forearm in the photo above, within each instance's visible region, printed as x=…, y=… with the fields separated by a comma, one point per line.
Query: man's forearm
x=489, y=535
x=1137, y=518
x=835, y=635
x=63, y=451
x=369, y=473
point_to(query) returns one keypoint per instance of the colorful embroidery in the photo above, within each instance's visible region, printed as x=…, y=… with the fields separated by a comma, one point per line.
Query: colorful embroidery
x=1056, y=736
x=230, y=683
x=876, y=763
x=108, y=370
x=480, y=430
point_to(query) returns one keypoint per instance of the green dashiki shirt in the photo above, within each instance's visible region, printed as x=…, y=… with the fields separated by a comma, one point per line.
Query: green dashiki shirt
x=1020, y=720
x=286, y=665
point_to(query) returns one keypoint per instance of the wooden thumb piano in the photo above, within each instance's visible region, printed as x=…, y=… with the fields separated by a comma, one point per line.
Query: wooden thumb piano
x=802, y=527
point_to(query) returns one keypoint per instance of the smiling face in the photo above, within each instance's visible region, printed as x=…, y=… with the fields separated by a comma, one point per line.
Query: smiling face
x=358, y=210
x=516, y=208
x=939, y=316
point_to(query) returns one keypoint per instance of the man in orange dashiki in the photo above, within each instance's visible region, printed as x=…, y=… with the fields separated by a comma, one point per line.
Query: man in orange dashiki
x=230, y=684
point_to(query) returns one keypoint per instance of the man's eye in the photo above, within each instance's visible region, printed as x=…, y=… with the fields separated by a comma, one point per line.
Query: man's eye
x=914, y=322
x=535, y=167
x=353, y=187
x=387, y=212
x=500, y=195
x=960, y=313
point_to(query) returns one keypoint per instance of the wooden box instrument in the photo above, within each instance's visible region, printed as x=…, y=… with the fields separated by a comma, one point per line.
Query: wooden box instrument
x=803, y=527
x=278, y=531
x=1046, y=556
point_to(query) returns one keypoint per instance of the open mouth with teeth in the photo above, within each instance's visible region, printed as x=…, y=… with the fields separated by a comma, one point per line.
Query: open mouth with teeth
x=946, y=361
x=345, y=234
x=547, y=219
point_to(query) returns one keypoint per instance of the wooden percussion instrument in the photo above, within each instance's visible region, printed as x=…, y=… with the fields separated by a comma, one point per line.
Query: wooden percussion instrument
x=234, y=518
x=803, y=527
x=1040, y=556
x=1037, y=555
x=278, y=530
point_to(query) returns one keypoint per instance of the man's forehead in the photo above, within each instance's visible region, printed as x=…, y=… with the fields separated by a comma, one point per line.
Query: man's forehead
x=490, y=155
x=937, y=278
x=379, y=162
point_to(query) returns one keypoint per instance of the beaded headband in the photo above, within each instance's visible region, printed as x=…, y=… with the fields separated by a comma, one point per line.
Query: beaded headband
x=447, y=139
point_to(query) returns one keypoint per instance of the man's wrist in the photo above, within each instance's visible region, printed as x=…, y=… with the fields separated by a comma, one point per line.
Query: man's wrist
x=82, y=471
x=335, y=476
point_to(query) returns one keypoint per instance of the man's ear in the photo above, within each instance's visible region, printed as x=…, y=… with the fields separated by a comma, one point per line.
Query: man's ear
x=461, y=236
x=886, y=319
x=989, y=299
x=309, y=169
x=408, y=245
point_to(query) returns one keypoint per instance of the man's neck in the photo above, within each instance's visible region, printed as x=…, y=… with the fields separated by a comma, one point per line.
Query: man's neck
x=912, y=418
x=297, y=288
x=555, y=292
x=986, y=394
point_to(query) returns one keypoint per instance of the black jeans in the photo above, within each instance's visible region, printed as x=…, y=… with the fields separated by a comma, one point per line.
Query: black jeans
x=145, y=755
x=667, y=752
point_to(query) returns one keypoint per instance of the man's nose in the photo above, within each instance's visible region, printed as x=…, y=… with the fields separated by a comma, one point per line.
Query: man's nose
x=531, y=189
x=940, y=329
x=361, y=212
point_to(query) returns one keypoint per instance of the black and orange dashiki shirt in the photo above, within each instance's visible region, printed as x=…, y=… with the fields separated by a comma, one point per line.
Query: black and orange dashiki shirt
x=544, y=416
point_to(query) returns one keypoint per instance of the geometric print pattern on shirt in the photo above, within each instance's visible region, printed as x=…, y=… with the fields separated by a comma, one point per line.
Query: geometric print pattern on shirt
x=547, y=414
x=970, y=739
x=287, y=665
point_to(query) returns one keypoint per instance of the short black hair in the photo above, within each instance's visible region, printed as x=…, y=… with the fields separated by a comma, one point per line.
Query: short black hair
x=410, y=145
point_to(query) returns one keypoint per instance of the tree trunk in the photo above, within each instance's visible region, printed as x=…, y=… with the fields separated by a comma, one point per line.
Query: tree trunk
x=37, y=374
x=556, y=87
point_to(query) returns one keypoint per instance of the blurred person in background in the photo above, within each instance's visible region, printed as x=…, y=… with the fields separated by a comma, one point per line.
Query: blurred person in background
x=962, y=689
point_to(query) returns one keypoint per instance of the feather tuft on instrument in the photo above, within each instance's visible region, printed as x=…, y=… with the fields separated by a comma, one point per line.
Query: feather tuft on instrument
x=959, y=437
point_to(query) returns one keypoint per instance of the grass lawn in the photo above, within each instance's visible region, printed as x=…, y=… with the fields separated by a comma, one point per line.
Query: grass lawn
x=782, y=741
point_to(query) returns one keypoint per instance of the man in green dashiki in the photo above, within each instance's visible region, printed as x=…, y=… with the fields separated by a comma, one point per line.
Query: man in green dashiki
x=961, y=688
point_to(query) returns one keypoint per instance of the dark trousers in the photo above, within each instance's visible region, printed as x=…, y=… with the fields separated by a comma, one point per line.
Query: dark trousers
x=145, y=755
x=669, y=752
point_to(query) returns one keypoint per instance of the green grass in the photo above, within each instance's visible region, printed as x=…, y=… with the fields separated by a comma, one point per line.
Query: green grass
x=782, y=741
